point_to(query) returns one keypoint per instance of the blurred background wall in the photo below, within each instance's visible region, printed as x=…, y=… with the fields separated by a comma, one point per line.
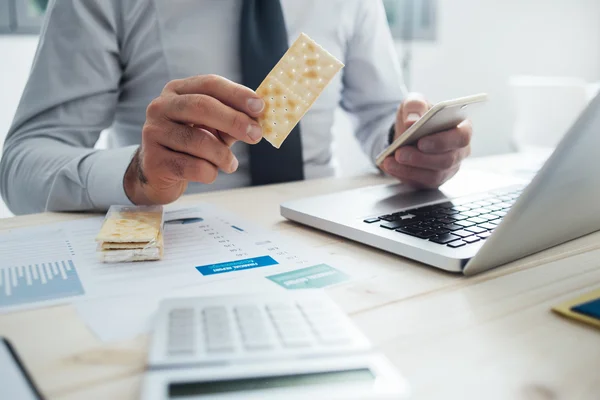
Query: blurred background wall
x=449, y=48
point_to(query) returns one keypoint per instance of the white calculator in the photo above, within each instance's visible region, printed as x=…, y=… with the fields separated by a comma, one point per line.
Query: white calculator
x=264, y=347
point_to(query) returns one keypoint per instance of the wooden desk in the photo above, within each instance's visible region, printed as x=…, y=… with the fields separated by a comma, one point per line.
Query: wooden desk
x=491, y=336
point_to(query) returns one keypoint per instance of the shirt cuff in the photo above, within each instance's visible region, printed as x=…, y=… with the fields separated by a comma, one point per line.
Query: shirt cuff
x=105, y=177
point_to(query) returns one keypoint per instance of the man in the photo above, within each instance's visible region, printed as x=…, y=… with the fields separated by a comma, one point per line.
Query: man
x=173, y=83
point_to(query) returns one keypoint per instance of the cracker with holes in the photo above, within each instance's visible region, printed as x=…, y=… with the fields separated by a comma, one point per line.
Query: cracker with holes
x=293, y=85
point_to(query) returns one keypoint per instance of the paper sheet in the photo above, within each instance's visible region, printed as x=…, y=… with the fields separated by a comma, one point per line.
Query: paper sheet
x=123, y=317
x=207, y=251
x=37, y=268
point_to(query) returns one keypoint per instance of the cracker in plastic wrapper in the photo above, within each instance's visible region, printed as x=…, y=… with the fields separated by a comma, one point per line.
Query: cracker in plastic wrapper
x=131, y=233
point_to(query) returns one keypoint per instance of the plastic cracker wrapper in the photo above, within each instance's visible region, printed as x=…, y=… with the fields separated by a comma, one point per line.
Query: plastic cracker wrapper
x=131, y=233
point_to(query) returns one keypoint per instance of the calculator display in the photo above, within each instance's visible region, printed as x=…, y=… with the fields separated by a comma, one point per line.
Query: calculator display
x=185, y=389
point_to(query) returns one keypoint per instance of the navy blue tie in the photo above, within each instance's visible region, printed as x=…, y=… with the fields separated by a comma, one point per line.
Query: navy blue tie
x=263, y=40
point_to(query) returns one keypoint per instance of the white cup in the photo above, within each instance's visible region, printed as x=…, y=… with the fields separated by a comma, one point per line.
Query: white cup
x=546, y=107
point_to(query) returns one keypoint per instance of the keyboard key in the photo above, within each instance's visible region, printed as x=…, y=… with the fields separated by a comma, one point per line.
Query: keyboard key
x=471, y=239
x=449, y=211
x=439, y=214
x=446, y=204
x=426, y=209
x=487, y=226
x=505, y=206
x=494, y=207
x=419, y=233
x=475, y=229
x=460, y=208
x=499, y=213
x=371, y=220
x=392, y=225
x=452, y=227
x=482, y=203
x=489, y=217
x=456, y=244
x=419, y=211
x=493, y=200
x=459, y=217
x=484, y=235
x=443, y=239
x=463, y=234
x=482, y=210
x=477, y=220
x=445, y=220
x=426, y=234
x=391, y=217
x=409, y=230
x=465, y=224
x=470, y=214
x=441, y=231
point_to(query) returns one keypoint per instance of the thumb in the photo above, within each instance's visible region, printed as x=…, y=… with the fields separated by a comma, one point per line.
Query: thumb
x=412, y=108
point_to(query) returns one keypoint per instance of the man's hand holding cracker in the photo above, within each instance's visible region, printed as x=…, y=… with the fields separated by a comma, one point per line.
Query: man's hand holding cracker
x=187, y=137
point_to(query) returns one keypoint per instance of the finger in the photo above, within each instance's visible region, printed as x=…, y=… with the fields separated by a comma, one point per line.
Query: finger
x=410, y=156
x=230, y=93
x=424, y=178
x=445, y=141
x=413, y=108
x=197, y=142
x=227, y=139
x=179, y=166
x=224, y=137
x=203, y=110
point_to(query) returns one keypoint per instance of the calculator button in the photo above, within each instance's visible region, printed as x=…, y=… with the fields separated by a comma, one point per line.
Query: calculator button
x=253, y=329
x=294, y=335
x=291, y=326
x=181, y=349
x=181, y=332
x=180, y=344
x=257, y=343
x=333, y=336
x=217, y=329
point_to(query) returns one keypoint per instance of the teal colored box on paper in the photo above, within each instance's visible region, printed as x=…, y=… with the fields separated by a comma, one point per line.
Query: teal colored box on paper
x=238, y=265
x=315, y=277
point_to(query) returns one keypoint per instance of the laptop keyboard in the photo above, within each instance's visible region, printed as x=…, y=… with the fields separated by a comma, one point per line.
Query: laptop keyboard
x=455, y=223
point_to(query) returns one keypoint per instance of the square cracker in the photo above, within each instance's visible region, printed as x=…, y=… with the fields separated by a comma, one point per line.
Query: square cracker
x=293, y=85
x=159, y=242
x=130, y=227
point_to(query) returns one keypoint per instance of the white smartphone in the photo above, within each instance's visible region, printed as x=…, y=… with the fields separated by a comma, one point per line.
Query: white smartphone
x=442, y=116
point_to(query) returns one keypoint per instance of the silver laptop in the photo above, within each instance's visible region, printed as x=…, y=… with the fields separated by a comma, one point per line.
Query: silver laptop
x=474, y=222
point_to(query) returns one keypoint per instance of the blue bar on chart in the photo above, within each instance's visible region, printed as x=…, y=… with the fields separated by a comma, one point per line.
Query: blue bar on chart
x=38, y=282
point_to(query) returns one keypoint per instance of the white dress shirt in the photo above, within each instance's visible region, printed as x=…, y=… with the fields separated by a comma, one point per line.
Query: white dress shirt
x=99, y=63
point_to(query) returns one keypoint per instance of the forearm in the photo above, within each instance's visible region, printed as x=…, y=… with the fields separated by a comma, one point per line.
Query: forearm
x=43, y=174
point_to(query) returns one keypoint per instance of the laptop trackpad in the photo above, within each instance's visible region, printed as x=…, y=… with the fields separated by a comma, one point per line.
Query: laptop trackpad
x=403, y=197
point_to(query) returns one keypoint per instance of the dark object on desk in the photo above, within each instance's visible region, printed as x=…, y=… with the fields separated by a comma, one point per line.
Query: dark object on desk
x=591, y=309
x=16, y=381
x=584, y=308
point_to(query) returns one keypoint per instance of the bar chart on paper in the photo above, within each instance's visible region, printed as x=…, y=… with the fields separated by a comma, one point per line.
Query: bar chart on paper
x=37, y=269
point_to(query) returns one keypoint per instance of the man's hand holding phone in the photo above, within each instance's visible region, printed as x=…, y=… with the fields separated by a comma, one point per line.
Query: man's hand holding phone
x=435, y=158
